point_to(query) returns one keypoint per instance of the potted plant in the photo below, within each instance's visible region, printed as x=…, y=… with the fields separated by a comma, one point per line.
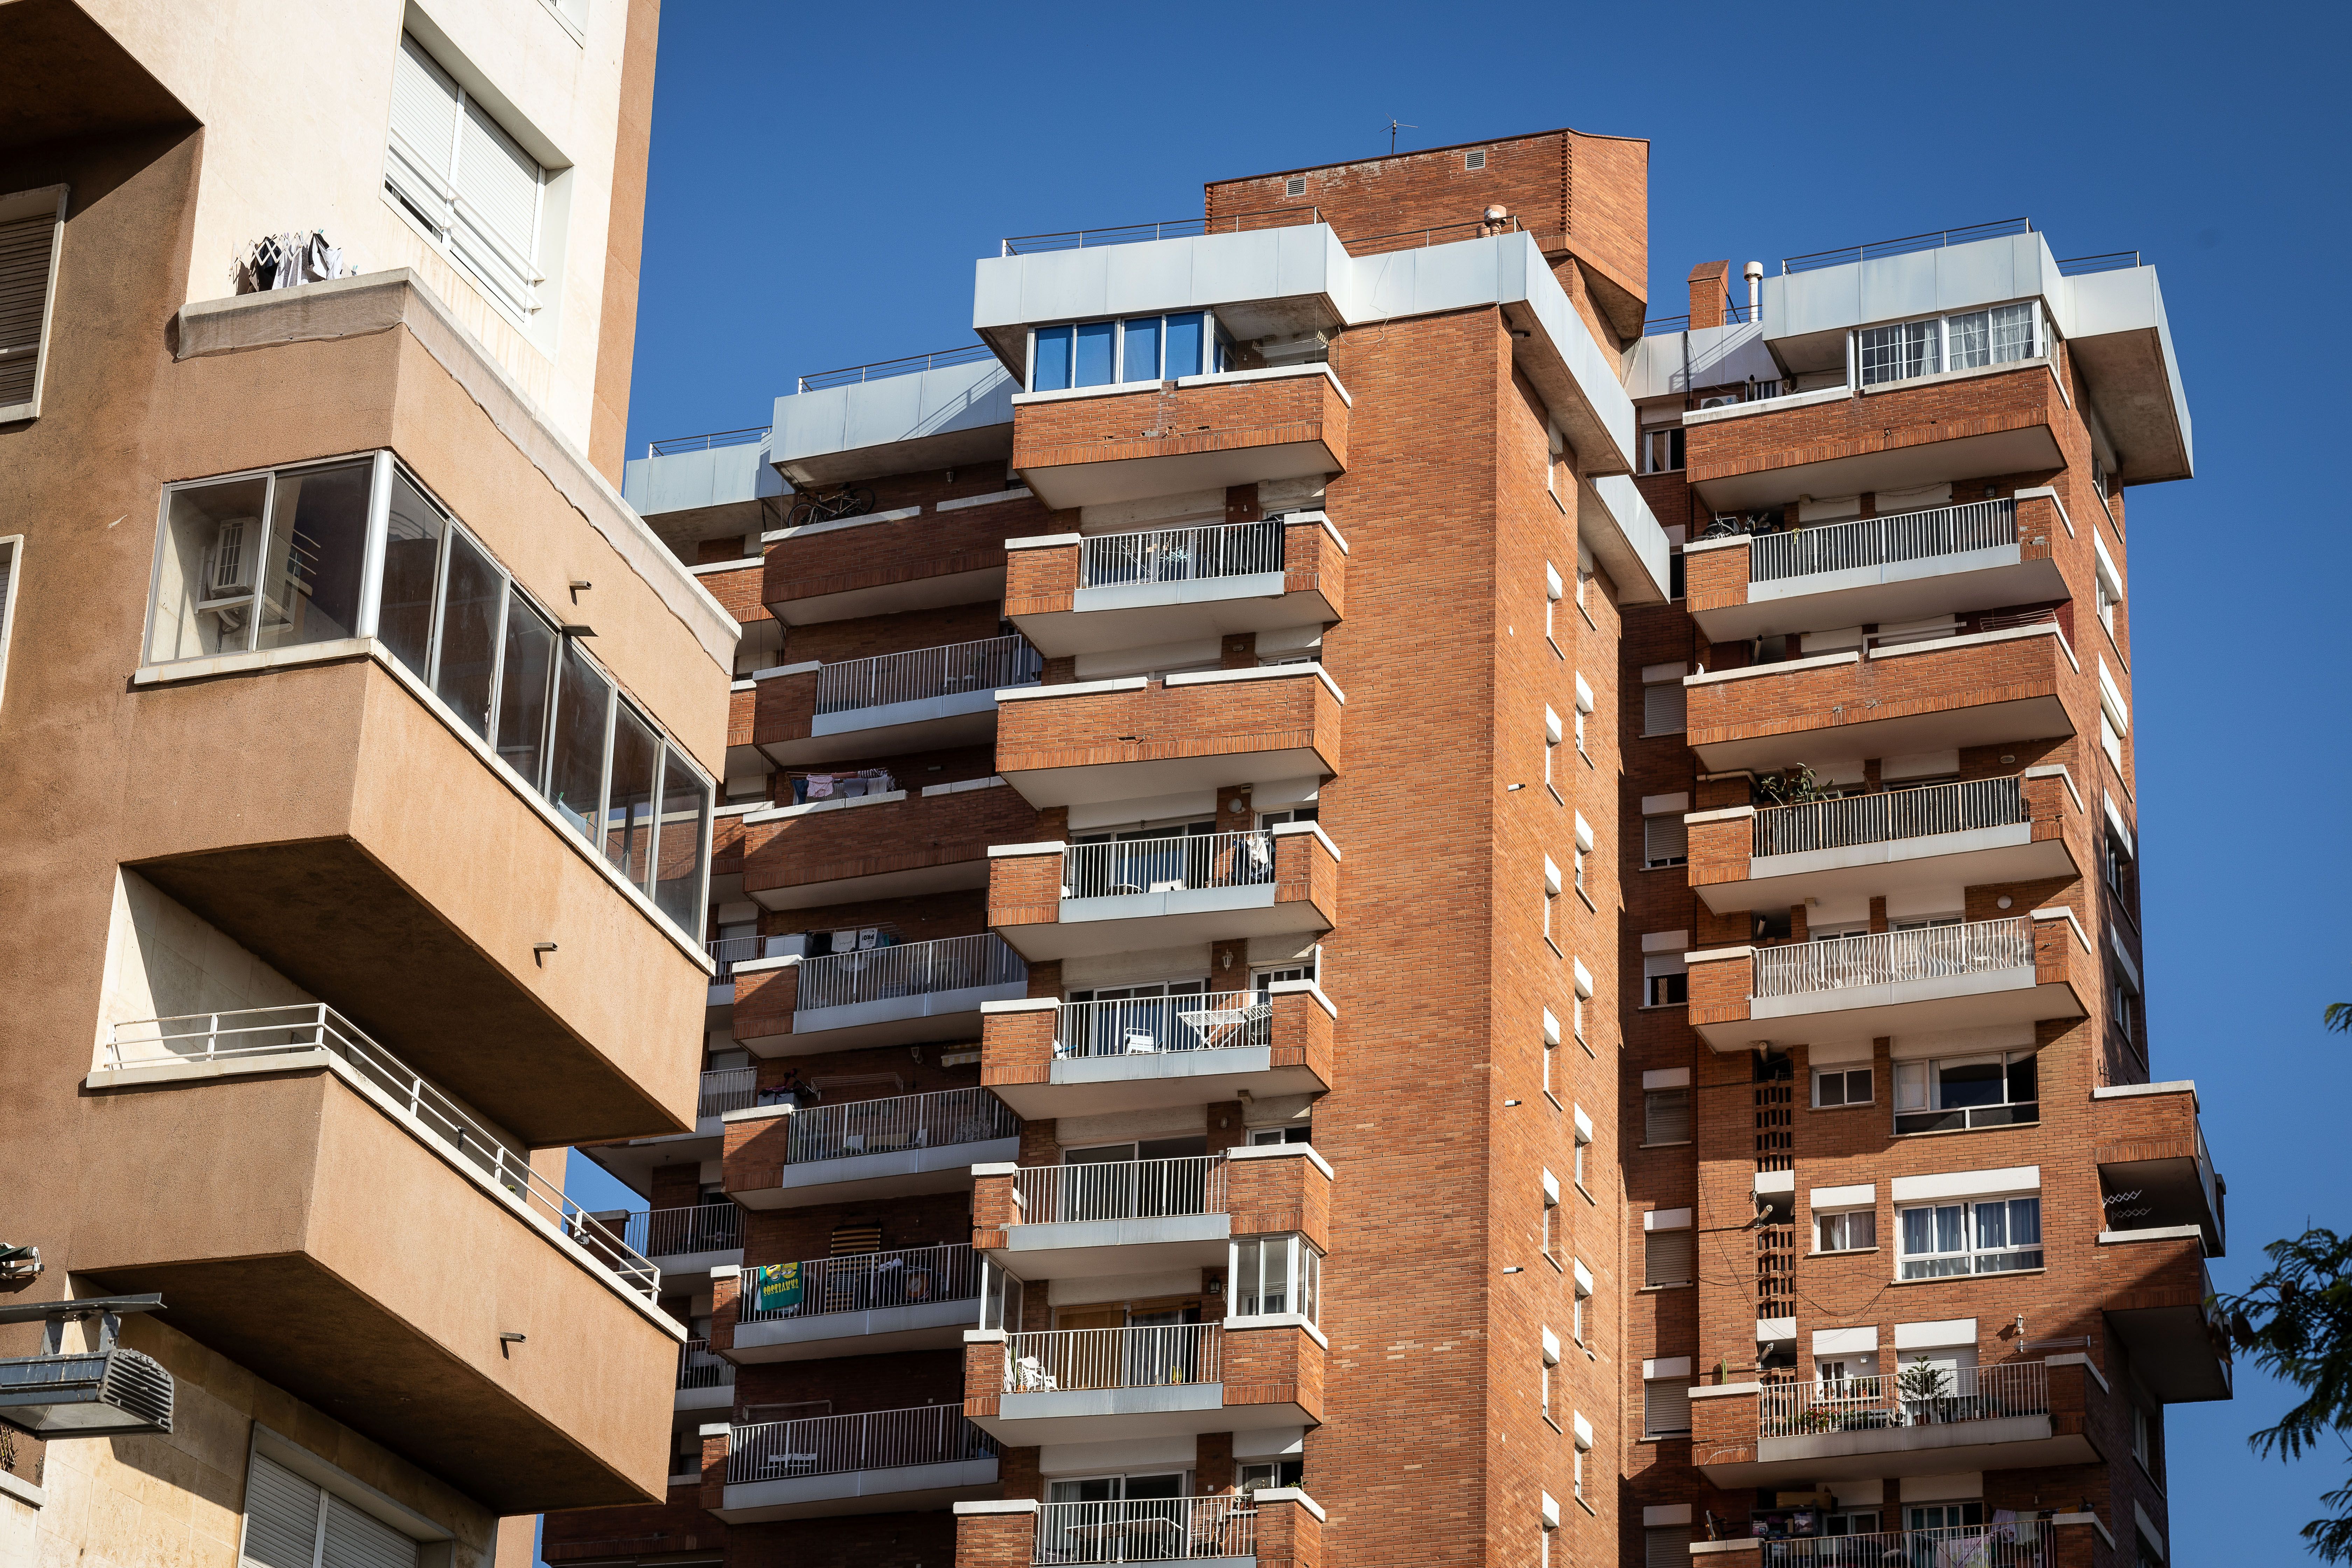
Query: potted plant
x=1923, y=1385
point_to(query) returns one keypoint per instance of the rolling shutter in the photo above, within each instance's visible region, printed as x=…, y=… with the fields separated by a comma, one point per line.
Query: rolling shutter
x=1663, y=708
x=29, y=232
x=291, y=1522
x=1666, y=1407
x=424, y=134
x=499, y=183
x=356, y=1540
x=464, y=176
x=1666, y=841
x=1666, y=1546
x=1668, y=1258
x=1666, y=1117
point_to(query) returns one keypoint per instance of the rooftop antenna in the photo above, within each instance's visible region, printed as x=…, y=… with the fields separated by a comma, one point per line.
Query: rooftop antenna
x=1394, y=125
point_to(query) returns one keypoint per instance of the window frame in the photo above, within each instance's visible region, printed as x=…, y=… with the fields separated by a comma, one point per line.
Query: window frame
x=24, y=206
x=1969, y=1252
x=2040, y=341
x=1303, y=1289
x=1929, y=1071
x=1844, y=1217
x=1845, y=1073
x=1216, y=350
x=523, y=305
x=12, y=570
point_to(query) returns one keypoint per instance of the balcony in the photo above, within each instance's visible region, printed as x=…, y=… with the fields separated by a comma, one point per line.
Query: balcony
x=938, y=416
x=2159, y=1300
x=2015, y=970
x=1143, y=1216
x=267, y=1141
x=2017, y=1415
x=927, y=699
x=883, y=1461
x=1072, y=595
x=896, y=995
x=1981, y=688
x=685, y=1244
x=889, y=562
x=1967, y=834
x=1220, y=1529
x=2024, y=1543
x=1054, y=901
x=1047, y=1058
x=706, y=1381
x=1095, y=445
x=893, y=845
x=1087, y=1385
x=632, y=1162
x=866, y=1150
x=1880, y=570
x=904, y=1299
x=2155, y=1170
x=1136, y=738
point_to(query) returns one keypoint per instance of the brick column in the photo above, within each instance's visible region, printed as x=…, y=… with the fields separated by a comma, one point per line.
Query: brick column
x=1289, y=1528
x=996, y=1534
x=717, y=1441
x=1709, y=283
x=726, y=1291
x=993, y=1203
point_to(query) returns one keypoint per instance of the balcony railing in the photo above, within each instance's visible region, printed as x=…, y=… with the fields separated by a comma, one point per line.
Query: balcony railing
x=727, y=952
x=2110, y=261
x=2025, y=1543
x=1881, y=541
x=927, y=672
x=1168, y=864
x=697, y=1227
x=840, y=1445
x=1180, y=555
x=1156, y=1356
x=1147, y=1530
x=1889, y=815
x=1122, y=1189
x=1930, y=953
x=1174, y=229
x=257, y=1034
x=1139, y=1026
x=1891, y=1400
x=1936, y=240
x=909, y=969
x=716, y=438
x=883, y=370
x=727, y=1089
x=697, y=1368
x=863, y=1282
x=939, y=1120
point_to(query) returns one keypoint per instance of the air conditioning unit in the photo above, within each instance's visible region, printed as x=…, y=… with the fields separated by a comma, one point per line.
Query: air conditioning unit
x=229, y=565
x=1719, y=401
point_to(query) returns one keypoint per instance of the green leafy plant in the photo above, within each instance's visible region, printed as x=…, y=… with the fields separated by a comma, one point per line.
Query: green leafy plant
x=1792, y=786
x=1923, y=1381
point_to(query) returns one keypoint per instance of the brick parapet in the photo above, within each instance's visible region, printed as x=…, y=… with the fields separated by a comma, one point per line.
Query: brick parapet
x=916, y=833
x=1166, y=419
x=811, y=566
x=1171, y=722
x=1266, y=1195
x=1279, y=1365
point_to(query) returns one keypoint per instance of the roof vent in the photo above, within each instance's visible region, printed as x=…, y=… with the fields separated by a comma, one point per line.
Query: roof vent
x=1474, y=160
x=1294, y=186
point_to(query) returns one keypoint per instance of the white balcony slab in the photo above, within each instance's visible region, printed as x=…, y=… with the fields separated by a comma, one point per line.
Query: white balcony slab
x=901, y=1173
x=891, y=1021
x=930, y=1325
x=1093, y=1086
x=906, y=1488
x=1972, y=858
x=2011, y=1443
x=1076, y=1250
x=718, y=1396
x=956, y=718
x=1896, y=590
x=1126, y=922
x=1976, y=1000
x=1109, y=1414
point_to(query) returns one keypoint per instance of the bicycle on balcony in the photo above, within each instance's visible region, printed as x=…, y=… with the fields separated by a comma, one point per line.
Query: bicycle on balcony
x=847, y=501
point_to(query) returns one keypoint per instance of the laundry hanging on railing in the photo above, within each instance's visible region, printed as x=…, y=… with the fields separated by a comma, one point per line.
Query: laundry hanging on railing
x=808, y=787
x=284, y=260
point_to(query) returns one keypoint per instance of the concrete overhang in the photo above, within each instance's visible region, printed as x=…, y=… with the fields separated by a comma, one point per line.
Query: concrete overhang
x=904, y=1488
x=2011, y=1443
x=862, y=1178
x=1093, y=1086
x=1077, y=1249
x=929, y=1325
x=686, y=497
x=939, y=418
x=1976, y=857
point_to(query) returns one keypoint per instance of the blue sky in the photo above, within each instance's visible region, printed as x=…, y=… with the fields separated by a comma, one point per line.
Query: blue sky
x=822, y=178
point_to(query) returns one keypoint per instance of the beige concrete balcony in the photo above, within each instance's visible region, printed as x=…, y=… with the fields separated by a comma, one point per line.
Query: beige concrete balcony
x=881, y=1461
x=1048, y=1058
x=1073, y=594
x=315, y=1212
x=2015, y=1415
x=1064, y=901
x=1981, y=688
x=1966, y=834
x=1135, y=738
x=1086, y=1385
x=2014, y=971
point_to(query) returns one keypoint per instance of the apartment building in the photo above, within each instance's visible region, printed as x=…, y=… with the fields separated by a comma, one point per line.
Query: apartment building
x=1370, y=904
x=361, y=744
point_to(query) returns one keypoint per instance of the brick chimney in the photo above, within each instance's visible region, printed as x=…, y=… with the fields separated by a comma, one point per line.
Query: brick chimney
x=1709, y=282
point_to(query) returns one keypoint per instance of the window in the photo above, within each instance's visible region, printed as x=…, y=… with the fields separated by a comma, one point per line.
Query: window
x=1854, y=1230
x=1661, y=449
x=1665, y=979
x=1584, y=705
x=1995, y=1237
x=1665, y=1546
x=1551, y=604
x=1275, y=1274
x=2123, y=1007
x=1583, y=1141
x=284, y=559
x=1547, y=1359
x=1552, y=892
x=1840, y=1086
x=1666, y=841
x=1576, y=1307
x=1552, y=736
x=1663, y=704
x=1665, y=1117
x=9, y=551
x=32, y=233
x=1899, y=350
x=1669, y=1258
x=1551, y=1190
x=1271, y=1473
x=464, y=180
x=2147, y=1441
x=1140, y=348
x=291, y=1522
x=2111, y=741
x=1000, y=1297
x=1677, y=574
x=2115, y=866
x=1952, y=1093
x=1666, y=1407
x=1550, y=1044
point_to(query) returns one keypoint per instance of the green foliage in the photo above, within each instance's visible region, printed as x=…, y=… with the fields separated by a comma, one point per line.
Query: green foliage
x=1923, y=1380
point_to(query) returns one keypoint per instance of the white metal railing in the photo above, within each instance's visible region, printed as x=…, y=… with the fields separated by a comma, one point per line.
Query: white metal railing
x=253, y=1034
x=727, y=1089
x=934, y=1121
x=907, y=969
x=839, y=1445
x=1152, y=1356
x=727, y=952
x=1930, y=953
x=1924, y=1395
x=697, y=1368
x=1122, y=1189
x=1164, y=865
x=461, y=226
x=1880, y=541
x=926, y=672
x=865, y=1282
x=697, y=1227
x=1888, y=816
x=1147, y=1530
x=1139, y=1026
x=1180, y=555
x=2021, y=1543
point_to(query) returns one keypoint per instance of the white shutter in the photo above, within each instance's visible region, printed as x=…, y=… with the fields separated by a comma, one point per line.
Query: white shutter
x=424, y=134
x=29, y=233
x=499, y=183
x=1665, y=1408
x=1661, y=708
x=1666, y=841
x=466, y=178
x=356, y=1540
x=281, y=1518
x=1668, y=1258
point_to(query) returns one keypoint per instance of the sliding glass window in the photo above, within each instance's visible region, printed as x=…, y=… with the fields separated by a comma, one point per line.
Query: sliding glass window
x=1137, y=348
